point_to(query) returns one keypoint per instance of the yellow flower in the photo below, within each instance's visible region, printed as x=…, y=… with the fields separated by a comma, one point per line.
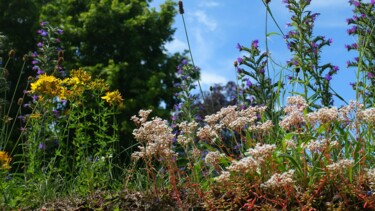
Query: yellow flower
x=113, y=97
x=80, y=76
x=47, y=85
x=35, y=115
x=98, y=84
x=4, y=160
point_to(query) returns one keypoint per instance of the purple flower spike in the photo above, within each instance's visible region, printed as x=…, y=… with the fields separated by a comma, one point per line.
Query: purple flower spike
x=372, y=2
x=370, y=75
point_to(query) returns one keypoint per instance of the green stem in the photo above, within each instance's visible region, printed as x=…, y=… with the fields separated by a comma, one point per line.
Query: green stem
x=191, y=55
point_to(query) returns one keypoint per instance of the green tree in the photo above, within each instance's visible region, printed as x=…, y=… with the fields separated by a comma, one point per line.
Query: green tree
x=122, y=42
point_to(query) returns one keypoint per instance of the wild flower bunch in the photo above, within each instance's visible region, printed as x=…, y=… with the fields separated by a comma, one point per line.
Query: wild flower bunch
x=256, y=87
x=50, y=56
x=306, y=49
x=362, y=27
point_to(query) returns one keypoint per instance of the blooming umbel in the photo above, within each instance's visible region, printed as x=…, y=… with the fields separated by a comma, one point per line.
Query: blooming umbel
x=113, y=97
x=4, y=160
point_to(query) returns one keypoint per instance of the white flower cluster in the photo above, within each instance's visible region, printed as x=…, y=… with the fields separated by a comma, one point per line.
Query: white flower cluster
x=143, y=114
x=207, y=133
x=156, y=137
x=223, y=177
x=323, y=116
x=234, y=119
x=213, y=158
x=294, y=113
x=340, y=166
x=253, y=162
x=245, y=165
x=261, y=152
x=345, y=111
x=290, y=144
x=368, y=115
x=320, y=145
x=279, y=180
x=187, y=132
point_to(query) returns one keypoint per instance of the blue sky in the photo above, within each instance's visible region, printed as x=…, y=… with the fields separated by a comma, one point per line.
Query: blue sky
x=216, y=26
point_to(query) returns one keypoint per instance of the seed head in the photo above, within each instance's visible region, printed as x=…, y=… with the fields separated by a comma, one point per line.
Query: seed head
x=181, y=7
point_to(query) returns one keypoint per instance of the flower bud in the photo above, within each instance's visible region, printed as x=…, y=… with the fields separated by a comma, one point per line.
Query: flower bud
x=11, y=53
x=20, y=101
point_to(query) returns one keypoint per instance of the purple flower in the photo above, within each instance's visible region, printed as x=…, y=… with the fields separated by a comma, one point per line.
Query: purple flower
x=248, y=82
x=286, y=1
x=328, y=77
x=40, y=44
x=56, y=113
x=335, y=68
x=372, y=2
x=240, y=60
x=60, y=31
x=43, y=23
x=34, y=97
x=40, y=72
x=352, y=30
x=41, y=146
x=356, y=3
x=261, y=71
x=184, y=62
x=254, y=44
x=239, y=47
x=370, y=75
x=330, y=41
x=34, y=62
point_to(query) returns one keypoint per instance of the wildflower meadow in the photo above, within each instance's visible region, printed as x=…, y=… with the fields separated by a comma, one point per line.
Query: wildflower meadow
x=275, y=141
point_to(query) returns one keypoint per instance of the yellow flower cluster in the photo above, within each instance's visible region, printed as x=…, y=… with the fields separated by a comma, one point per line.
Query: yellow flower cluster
x=47, y=85
x=4, y=160
x=73, y=87
x=113, y=98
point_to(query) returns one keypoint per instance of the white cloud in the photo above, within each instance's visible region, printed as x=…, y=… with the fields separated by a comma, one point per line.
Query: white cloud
x=202, y=18
x=176, y=46
x=208, y=4
x=208, y=78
